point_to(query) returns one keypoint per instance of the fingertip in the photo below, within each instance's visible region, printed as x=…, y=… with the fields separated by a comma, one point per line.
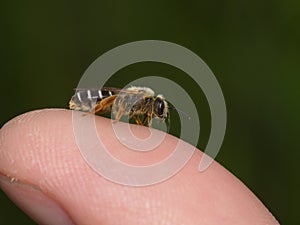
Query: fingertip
x=39, y=148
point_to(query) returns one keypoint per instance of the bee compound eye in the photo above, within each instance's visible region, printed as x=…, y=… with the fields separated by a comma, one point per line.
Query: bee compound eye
x=159, y=107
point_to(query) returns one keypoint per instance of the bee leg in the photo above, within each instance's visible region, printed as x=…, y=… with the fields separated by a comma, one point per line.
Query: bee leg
x=118, y=115
x=104, y=105
x=88, y=112
x=145, y=117
x=98, y=107
x=137, y=120
x=149, y=121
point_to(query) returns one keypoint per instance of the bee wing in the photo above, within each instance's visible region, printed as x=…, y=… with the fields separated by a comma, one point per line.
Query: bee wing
x=122, y=91
x=114, y=89
x=117, y=90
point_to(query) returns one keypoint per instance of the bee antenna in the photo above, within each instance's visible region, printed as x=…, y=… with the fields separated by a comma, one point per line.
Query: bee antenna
x=182, y=113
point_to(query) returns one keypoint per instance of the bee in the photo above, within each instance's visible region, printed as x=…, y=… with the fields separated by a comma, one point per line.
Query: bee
x=139, y=103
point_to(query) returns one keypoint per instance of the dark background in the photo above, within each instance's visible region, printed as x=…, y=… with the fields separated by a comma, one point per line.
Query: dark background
x=251, y=46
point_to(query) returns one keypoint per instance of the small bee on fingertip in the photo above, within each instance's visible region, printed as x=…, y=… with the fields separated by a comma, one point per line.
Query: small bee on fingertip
x=135, y=102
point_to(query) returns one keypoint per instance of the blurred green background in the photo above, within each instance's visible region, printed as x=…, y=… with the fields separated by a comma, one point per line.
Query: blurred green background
x=251, y=46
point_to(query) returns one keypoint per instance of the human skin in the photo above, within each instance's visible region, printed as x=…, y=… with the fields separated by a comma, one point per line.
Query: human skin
x=44, y=173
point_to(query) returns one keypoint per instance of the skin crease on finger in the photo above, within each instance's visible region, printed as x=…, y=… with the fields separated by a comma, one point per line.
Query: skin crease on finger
x=38, y=149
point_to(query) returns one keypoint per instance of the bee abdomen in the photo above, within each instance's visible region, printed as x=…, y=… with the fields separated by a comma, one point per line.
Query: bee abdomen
x=85, y=100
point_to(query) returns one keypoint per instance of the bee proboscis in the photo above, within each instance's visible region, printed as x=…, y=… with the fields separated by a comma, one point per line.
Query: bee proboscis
x=139, y=103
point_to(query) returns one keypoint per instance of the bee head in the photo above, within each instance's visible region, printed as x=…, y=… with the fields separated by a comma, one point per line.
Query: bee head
x=160, y=107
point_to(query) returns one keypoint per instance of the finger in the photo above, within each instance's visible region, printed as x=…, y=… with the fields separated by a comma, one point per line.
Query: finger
x=45, y=174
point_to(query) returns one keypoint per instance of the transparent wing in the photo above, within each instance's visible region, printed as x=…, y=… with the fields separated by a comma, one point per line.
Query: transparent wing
x=114, y=89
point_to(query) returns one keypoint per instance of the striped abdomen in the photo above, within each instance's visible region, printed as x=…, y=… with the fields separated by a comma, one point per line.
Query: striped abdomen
x=85, y=100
